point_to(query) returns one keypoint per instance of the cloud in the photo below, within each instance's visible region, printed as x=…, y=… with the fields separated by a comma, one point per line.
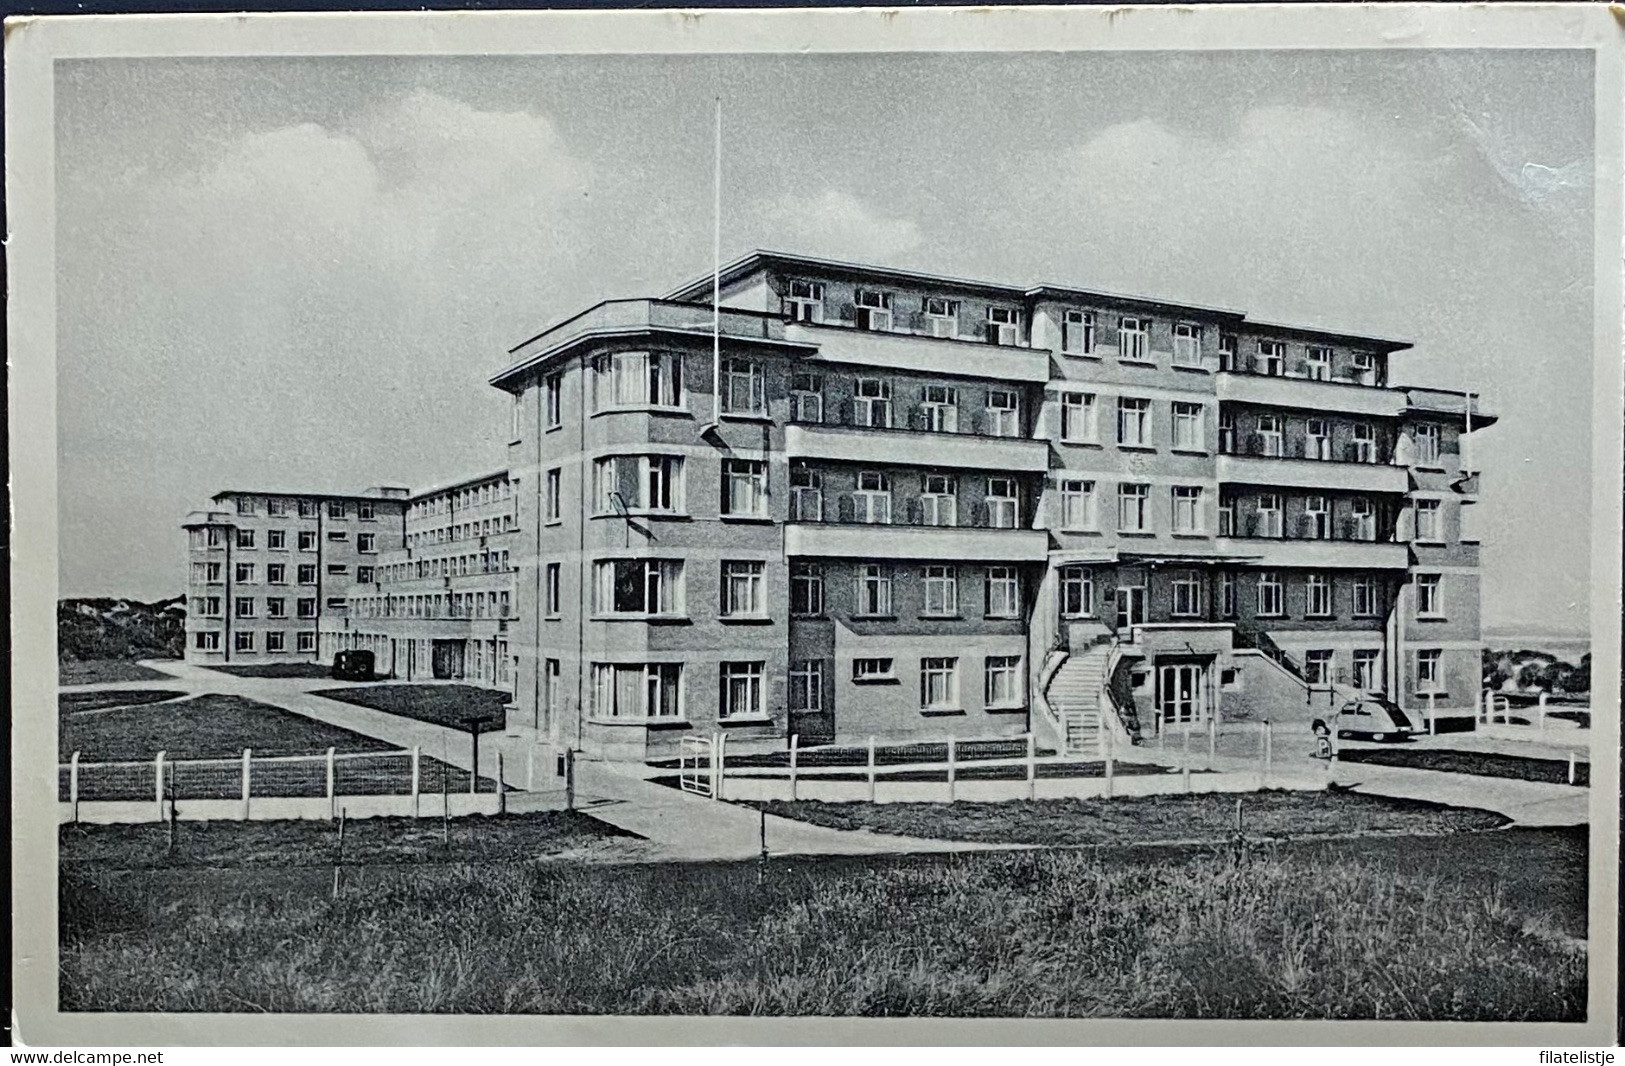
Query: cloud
x=837, y=224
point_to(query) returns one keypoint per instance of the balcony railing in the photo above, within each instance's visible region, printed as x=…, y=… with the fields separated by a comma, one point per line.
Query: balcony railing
x=887, y=416
x=1259, y=446
x=888, y=349
x=859, y=509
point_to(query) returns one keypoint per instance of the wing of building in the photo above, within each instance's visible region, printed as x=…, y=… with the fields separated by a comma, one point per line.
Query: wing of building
x=901, y=505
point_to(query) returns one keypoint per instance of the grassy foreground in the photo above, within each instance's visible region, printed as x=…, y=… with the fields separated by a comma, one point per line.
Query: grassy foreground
x=1179, y=817
x=101, y=671
x=1483, y=764
x=1345, y=929
x=204, y=727
x=101, y=699
x=446, y=705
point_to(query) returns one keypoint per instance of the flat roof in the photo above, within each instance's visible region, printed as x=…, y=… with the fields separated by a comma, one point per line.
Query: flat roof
x=309, y=495
x=461, y=483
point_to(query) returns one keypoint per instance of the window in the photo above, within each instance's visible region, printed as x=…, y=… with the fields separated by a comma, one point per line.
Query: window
x=366, y=542
x=1003, y=592
x=1187, y=500
x=872, y=670
x=1427, y=520
x=216, y=537
x=743, y=594
x=1187, y=344
x=807, y=398
x=740, y=691
x=939, y=684
x=367, y=511
x=1077, y=591
x=243, y=607
x=276, y=607
x=276, y=539
x=871, y=403
x=637, y=690
x=363, y=575
x=1190, y=433
x=1318, y=590
x=874, y=590
x=1001, y=684
x=245, y=573
x=941, y=317
x=744, y=488
x=806, y=590
x=806, y=495
x=211, y=606
x=1363, y=519
x=1078, y=333
x=1364, y=368
x=245, y=505
x=208, y=641
x=1227, y=595
x=337, y=570
x=1269, y=516
x=1133, y=340
x=1271, y=358
x=1270, y=439
x=939, y=409
x=873, y=310
x=275, y=641
x=1187, y=594
x=336, y=603
x=1003, y=325
x=1227, y=351
x=307, y=540
x=1367, y=602
x=553, y=400
x=1363, y=447
x=941, y=591
x=939, y=502
x=276, y=574
x=805, y=301
x=1078, y=505
x=744, y=387
x=871, y=502
x=551, y=590
x=1003, y=510
x=307, y=607
x=1270, y=600
x=307, y=508
x=1227, y=433
x=638, y=482
x=1227, y=518
x=807, y=685
x=245, y=538
x=1317, y=441
x=1133, y=507
x=1079, y=421
x=637, y=379
x=338, y=534
x=276, y=506
x=554, y=503
x=1133, y=422
x=335, y=508
x=1428, y=602
x=307, y=574
x=1003, y=413
x=1427, y=445
x=243, y=641
x=1317, y=518
x=1317, y=364
x=1317, y=666
x=638, y=586
x=305, y=642
x=1428, y=673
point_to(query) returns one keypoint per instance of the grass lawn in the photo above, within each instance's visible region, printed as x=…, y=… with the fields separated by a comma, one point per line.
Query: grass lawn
x=1389, y=929
x=275, y=670
x=444, y=705
x=101, y=671
x=1200, y=816
x=76, y=702
x=1483, y=764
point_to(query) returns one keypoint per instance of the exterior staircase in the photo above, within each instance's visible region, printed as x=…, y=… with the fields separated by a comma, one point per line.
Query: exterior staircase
x=1076, y=693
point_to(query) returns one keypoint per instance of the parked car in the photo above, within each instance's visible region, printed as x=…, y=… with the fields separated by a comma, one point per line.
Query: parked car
x=1374, y=718
x=353, y=666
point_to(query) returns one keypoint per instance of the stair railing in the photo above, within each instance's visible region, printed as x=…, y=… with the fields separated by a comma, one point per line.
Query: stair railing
x=1117, y=691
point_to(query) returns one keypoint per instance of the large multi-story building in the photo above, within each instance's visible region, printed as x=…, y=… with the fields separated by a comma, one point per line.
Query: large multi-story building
x=894, y=504
x=269, y=573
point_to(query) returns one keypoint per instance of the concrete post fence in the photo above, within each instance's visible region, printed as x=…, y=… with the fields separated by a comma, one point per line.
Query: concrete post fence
x=871, y=769
x=332, y=801
x=952, y=788
x=795, y=740
x=1032, y=767
x=73, y=784
x=417, y=757
x=248, y=770
x=158, y=788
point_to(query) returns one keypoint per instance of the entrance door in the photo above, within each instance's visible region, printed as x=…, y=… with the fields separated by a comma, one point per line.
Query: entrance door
x=1130, y=606
x=1181, y=695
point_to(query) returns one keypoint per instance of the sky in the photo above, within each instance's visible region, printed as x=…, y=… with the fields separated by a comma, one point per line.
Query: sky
x=297, y=273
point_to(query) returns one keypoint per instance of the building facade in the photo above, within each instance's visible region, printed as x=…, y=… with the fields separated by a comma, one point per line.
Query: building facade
x=268, y=574
x=897, y=505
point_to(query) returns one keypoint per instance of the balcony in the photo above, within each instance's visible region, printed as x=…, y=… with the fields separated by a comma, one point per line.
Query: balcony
x=1304, y=393
x=1279, y=471
x=1444, y=402
x=1315, y=554
x=854, y=540
x=914, y=447
x=922, y=354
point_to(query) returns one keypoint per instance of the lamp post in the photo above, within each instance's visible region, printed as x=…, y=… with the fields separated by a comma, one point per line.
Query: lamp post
x=474, y=722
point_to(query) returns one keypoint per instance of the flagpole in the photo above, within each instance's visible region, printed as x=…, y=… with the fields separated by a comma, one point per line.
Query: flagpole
x=716, y=276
